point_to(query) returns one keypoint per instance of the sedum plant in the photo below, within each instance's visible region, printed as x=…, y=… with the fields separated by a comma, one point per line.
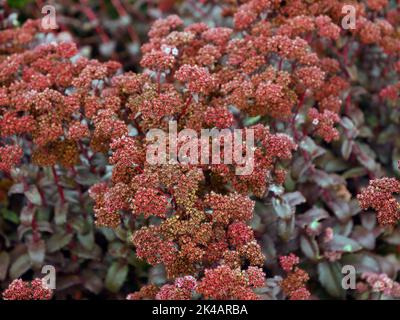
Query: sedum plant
x=320, y=101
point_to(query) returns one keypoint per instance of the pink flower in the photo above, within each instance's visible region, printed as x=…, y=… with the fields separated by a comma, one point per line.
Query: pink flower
x=379, y=196
x=288, y=262
x=223, y=283
x=24, y=290
x=239, y=234
x=255, y=276
x=323, y=124
x=198, y=79
x=150, y=202
x=326, y=28
x=218, y=117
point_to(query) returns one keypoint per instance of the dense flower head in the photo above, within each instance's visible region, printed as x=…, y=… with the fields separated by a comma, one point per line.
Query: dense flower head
x=296, y=26
x=40, y=100
x=294, y=283
x=158, y=61
x=326, y=28
x=377, y=4
x=208, y=55
x=10, y=156
x=276, y=99
x=310, y=77
x=218, y=117
x=187, y=283
x=116, y=198
x=379, y=196
x=27, y=290
x=285, y=71
x=78, y=131
x=219, y=35
x=225, y=209
x=198, y=79
x=107, y=128
x=300, y=294
x=223, y=283
x=380, y=282
x=127, y=158
x=171, y=292
x=323, y=124
x=370, y=33
x=279, y=145
x=162, y=27
x=12, y=124
x=150, y=202
x=147, y=292
x=181, y=290
x=239, y=233
x=255, y=276
x=152, y=247
x=288, y=262
x=106, y=219
x=330, y=103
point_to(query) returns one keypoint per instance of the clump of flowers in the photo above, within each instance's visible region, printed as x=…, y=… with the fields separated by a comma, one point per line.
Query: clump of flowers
x=224, y=283
x=379, y=282
x=323, y=124
x=379, y=196
x=147, y=292
x=181, y=290
x=10, y=156
x=294, y=285
x=320, y=102
x=27, y=290
x=288, y=262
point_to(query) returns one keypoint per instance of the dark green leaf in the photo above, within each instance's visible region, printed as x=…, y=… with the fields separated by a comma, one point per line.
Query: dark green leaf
x=4, y=264
x=21, y=265
x=10, y=215
x=58, y=241
x=116, y=276
x=309, y=247
x=330, y=276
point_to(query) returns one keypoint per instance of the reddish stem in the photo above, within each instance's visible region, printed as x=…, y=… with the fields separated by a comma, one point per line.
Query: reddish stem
x=91, y=15
x=123, y=13
x=59, y=187
x=280, y=64
x=41, y=193
x=35, y=232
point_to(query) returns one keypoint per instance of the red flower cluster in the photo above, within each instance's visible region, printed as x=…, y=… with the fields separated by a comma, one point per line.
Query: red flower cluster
x=288, y=262
x=194, y=219
x=9, y=157
x=294, y=283
x=323, y=124
x=224, y=283
x=25, y=290
x=41, y=91
x=379, y=196
x=379, y=282
x=182, y=289
x=197, y=78
x=150, y=202
x=147, y=292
